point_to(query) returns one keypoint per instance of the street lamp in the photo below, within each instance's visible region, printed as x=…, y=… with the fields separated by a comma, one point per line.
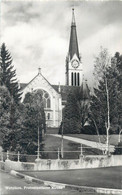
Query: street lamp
x=120, y=135
x=38, y=151
x=62, y=142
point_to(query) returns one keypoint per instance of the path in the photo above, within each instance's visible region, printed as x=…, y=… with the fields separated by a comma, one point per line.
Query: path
x=92, y=144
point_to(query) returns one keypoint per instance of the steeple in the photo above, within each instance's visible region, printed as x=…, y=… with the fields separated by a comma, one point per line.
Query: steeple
x=73, y=45
x=73, y=62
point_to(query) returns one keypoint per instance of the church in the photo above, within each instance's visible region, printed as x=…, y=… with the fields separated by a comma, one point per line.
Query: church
x=55, y=96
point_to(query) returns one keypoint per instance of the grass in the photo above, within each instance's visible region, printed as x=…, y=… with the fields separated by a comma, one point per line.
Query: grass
x=100, y=177
x=53, y=143
x=113, y=138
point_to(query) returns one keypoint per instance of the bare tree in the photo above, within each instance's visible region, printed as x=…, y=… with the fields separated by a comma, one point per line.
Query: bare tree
x=101, y=65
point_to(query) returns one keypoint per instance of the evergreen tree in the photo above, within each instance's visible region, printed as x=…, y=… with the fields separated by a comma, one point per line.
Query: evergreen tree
x=29, y=117
x=8, y=75
x=33, y=120
x=118, y=58
x=83, y=103
x=5, y=102
x=71, y=118
x=12, y=136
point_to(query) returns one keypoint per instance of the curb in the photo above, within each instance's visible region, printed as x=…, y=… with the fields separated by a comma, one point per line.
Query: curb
x=50, y=184
x=55, y=185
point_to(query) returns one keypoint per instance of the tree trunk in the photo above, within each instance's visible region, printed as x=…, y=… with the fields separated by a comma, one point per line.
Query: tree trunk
x=108, y=117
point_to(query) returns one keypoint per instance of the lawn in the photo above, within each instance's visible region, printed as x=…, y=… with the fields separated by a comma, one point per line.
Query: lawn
x=113, y=138
x=101, y=177
x=52, y=143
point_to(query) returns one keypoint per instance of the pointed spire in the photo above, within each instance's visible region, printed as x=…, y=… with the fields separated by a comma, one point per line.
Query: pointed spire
x=73, y=45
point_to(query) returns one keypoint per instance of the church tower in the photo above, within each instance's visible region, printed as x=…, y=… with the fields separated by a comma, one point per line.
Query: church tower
x=73, y=60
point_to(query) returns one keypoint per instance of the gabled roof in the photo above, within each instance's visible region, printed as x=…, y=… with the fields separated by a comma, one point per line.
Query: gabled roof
x=23, y=85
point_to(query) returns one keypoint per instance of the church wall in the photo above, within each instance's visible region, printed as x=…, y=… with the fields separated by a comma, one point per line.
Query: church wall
x=54, y=113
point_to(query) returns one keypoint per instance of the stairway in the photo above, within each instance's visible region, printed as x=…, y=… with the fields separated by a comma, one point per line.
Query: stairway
x=52, y=130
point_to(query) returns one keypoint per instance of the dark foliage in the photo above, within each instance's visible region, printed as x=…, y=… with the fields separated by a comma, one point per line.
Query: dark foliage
x=118, y=149
x=8, y=74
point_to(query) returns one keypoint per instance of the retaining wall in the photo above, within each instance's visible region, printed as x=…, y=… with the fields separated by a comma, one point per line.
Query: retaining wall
x=82, y=163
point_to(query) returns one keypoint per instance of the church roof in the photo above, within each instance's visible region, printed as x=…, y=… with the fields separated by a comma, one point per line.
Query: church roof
x=64, y=89
x=23, y=85
x=73, y=45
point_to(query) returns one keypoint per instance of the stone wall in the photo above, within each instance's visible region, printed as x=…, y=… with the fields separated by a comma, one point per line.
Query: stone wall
x=82, y=163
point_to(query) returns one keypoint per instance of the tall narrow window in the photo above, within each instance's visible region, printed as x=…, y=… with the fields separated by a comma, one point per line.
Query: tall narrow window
x=72, y=78
x=78, y=79
x=75, y=83
x=44, y=103
x=48, y=116
x=48, y=103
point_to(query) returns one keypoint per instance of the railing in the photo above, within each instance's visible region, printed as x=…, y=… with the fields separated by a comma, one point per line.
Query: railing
x=76, y=154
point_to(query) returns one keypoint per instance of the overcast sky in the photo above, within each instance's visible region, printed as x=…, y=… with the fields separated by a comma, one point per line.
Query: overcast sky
x=37, y=34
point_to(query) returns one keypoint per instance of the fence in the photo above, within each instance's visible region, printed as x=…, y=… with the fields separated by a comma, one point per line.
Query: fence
x=57, y=154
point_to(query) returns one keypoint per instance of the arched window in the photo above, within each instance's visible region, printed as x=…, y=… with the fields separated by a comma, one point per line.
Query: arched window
x=45, y=98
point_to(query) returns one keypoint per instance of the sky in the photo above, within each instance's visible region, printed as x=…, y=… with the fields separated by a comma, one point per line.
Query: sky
x=37, y=34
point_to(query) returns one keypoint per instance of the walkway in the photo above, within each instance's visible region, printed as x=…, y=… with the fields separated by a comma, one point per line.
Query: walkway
x=92, y=144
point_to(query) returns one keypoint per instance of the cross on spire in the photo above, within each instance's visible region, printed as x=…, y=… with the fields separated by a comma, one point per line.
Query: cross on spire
x=39, y=70
x=73, y=17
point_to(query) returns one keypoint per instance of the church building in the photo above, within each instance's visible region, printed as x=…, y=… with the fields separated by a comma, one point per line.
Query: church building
x=55, y=96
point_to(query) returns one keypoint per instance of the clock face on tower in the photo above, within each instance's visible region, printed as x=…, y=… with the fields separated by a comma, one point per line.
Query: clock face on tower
x=75, y=63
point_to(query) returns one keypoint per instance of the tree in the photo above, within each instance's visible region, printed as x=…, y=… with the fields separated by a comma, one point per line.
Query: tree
x=118, y=58
x=71, y=118
x=83, y=99
x=104, y=104
x=8, y=74
x=34, y=119
x=30, y=116
x=75, y=113
x=12, y=136
x=5, y=108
